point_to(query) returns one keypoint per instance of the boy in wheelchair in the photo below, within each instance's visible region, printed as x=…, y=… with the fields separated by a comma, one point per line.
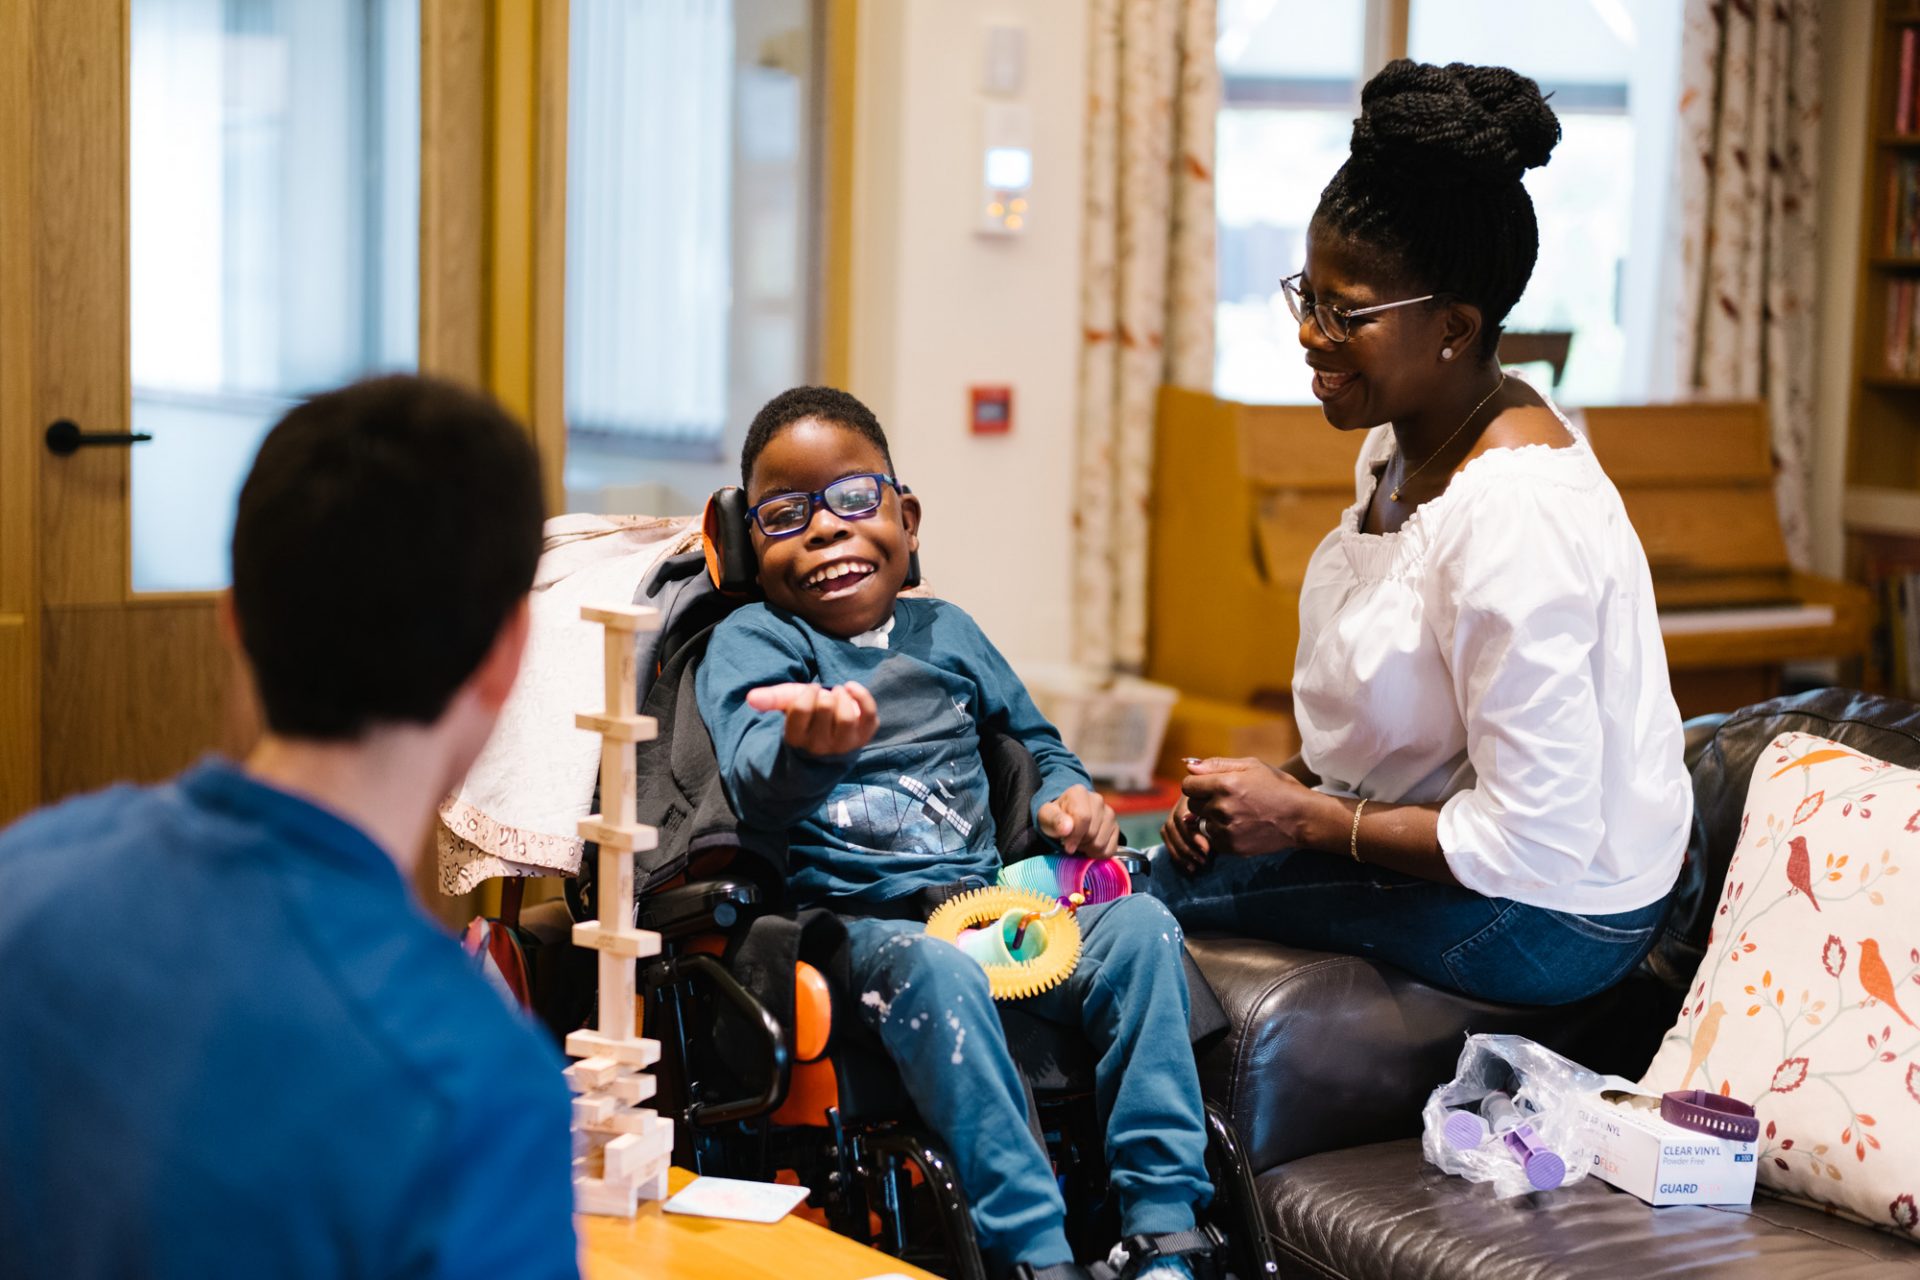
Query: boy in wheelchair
x=847, y=722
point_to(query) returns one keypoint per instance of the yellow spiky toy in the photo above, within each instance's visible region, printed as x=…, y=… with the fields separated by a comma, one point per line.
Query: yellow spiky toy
x=1026, y=941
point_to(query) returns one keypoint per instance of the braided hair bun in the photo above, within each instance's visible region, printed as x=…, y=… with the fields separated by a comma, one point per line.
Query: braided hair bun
x=1455, y=124
x=1433, y=187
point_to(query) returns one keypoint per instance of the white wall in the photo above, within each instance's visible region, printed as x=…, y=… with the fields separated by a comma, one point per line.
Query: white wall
x=937, y=307
x=1846, y=31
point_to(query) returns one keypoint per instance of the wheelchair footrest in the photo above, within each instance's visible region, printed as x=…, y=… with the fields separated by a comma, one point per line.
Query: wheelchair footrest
x=1203, y=1249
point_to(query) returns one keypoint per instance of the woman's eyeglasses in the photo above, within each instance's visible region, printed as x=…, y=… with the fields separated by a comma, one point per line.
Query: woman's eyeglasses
x=1335, y=322
x=850, y=498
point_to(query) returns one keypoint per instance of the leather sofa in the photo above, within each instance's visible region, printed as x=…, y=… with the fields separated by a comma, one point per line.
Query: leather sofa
x=1329, y=1058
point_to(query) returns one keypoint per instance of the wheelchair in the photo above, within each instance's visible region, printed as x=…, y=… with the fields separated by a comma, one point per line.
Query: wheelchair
x=764, y=1089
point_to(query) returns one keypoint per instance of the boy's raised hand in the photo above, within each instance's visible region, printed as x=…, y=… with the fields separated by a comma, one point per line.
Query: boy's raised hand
x=1082, y=822
x=821, y=722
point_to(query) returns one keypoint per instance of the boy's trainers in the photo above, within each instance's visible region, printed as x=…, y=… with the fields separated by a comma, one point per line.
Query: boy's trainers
x=1058, y=1271
x=1168, y=1269
x=1158, y=1269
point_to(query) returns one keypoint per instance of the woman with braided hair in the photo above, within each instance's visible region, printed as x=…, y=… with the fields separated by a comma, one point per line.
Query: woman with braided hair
x=1490, y=790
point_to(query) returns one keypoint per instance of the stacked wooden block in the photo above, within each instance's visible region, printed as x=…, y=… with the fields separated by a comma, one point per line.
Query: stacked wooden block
x=621, y=1149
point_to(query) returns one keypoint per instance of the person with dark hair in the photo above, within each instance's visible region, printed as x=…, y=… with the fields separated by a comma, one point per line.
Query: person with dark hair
x=1490, y=790
x=234, y=1044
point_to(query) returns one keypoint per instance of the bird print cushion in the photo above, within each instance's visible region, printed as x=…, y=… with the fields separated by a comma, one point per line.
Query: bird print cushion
x=1805, y=1003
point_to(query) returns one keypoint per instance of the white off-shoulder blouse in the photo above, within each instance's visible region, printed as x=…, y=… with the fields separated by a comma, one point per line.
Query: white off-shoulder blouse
x=1500, y=653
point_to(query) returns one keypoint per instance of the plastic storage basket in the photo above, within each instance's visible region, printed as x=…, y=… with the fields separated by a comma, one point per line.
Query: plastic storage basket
x=1114, y=724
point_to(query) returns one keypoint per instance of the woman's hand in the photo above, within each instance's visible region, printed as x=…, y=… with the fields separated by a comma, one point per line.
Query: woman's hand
x=821, y=722
x=1185, y=839
x=1082, y=822
x=1248, y=807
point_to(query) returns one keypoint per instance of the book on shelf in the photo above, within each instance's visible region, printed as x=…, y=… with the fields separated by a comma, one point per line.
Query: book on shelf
x=1903, y=101
x=1899, y=328
x=1902, y=332
x=1891, y=223
x=1901, y=237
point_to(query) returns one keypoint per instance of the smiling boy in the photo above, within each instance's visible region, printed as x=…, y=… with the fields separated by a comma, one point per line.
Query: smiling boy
x=848, y=721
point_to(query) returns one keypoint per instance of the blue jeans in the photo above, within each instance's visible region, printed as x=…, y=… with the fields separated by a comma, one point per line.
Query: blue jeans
x=929, y=1003
x=1446, y=935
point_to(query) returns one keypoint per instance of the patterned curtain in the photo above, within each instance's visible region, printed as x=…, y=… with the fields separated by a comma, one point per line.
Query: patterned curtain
x=1748, y=153
x=1148, y=290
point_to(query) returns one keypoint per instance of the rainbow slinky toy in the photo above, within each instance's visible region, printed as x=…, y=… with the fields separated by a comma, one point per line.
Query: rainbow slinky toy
x=1027, y=942
x=1022, y=930
x=1060, y=875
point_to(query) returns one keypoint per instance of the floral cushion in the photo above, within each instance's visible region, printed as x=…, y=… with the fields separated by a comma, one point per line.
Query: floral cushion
x=1806, y=1001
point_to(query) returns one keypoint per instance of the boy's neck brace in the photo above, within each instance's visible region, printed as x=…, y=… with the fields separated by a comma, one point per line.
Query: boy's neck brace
x=874, y=639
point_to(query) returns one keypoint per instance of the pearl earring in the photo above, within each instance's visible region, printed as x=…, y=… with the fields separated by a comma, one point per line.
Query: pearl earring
x=1446, y=353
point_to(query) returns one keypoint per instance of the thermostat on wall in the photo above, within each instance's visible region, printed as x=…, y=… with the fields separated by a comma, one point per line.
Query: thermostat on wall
x=1006, y=146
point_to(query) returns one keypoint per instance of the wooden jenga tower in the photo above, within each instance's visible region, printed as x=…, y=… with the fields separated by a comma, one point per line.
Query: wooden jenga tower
x=620, y=1148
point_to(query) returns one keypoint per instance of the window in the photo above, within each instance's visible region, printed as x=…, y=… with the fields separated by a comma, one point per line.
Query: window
x=690, y=229
x=274, y=177
x=1290, y=86
x=1611, y=68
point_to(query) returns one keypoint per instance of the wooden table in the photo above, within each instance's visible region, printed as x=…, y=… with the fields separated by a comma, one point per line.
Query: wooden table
x=669, y=1246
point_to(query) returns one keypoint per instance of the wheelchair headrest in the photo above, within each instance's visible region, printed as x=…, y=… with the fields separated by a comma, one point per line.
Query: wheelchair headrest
x=728, y=543
x=731, y=563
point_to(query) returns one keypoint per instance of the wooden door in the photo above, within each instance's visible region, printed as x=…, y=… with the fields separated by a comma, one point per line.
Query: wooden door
x=133, y=680
x=108, y=672
x=102, y=682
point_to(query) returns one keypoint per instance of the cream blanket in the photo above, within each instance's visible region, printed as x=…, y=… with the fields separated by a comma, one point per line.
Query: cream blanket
x=517, y=811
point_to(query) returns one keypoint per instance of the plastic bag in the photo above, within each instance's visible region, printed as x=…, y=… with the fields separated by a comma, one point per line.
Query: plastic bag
x=1511, y=1116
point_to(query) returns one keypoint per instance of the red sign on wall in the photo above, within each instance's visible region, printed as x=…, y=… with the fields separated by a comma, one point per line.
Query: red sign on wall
x=992, y=411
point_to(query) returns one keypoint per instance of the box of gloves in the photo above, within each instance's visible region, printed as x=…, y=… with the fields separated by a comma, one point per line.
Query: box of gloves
x=1639, y=1152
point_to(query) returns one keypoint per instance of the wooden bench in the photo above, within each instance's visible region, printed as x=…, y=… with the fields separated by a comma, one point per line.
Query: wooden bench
x=1244, y=493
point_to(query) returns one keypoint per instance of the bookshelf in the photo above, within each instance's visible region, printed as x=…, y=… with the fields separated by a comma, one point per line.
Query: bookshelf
x=1884, y=444
x=1883, y=448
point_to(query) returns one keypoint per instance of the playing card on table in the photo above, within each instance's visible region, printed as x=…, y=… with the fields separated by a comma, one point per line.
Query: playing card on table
x=736, y=1199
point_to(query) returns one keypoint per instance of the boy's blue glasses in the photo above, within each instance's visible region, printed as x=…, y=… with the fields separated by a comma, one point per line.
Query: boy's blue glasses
x=850, y=498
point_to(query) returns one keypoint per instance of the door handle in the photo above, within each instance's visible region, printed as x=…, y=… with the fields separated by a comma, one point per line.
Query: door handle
x=65, y=437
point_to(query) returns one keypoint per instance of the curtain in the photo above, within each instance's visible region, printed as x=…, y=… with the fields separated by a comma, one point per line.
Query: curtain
x=1147, y=293
x=1748, y=157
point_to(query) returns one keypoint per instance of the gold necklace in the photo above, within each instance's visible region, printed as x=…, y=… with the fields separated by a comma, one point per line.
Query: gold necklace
x=1395, y=494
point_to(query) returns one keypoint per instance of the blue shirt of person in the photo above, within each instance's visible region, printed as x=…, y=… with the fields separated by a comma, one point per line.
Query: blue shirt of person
x=907, y=811
x=232, y=1045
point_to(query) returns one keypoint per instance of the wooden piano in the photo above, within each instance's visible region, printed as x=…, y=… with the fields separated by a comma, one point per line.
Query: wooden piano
x=1243, y=494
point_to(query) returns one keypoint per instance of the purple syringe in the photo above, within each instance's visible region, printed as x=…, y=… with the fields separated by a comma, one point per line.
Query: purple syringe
x=1464, y=1129
x=1543, y=1168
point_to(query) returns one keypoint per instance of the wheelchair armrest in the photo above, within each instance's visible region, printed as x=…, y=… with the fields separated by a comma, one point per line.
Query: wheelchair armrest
x=706, y=1111
x=700, y=907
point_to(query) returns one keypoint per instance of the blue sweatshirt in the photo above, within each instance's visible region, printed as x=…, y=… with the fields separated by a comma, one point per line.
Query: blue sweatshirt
x=231, y=1045
x=909, y=810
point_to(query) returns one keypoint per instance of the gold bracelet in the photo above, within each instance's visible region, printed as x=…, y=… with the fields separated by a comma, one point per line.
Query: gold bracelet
x=1353, y=841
